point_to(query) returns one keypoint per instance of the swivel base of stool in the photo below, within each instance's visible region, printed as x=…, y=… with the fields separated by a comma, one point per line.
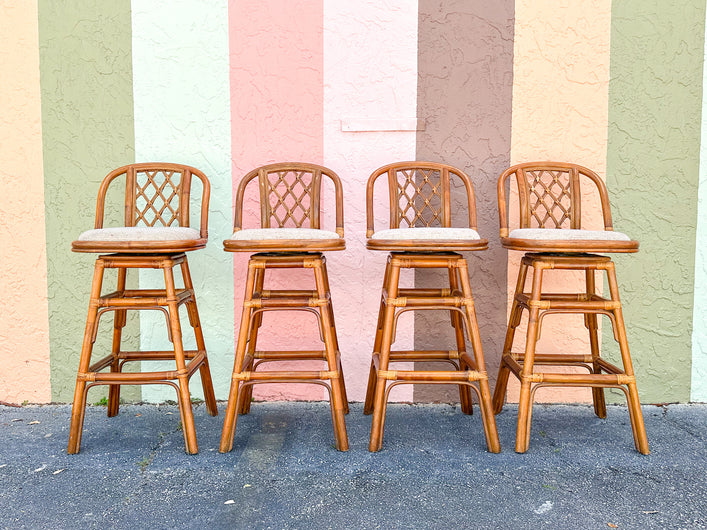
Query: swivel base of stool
x=600, y=373
x=469, y=371
x=248, y=359
x=121, y=301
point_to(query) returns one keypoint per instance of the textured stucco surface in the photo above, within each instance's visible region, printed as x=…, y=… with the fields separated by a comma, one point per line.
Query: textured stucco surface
x=698, y=391
x=24, y=326
x=276, y=116
x=655, y=99
x=560, y=86
x=87, y=130
x=370, y=72
x=465, y=75
x=181, y=93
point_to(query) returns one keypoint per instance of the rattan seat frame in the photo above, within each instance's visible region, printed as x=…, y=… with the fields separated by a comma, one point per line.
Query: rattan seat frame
x=575, y=255
x=161, y=255
x=280, y=184
x=419, y=195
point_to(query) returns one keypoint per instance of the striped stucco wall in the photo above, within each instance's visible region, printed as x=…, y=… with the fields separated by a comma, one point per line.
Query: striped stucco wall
x=699, y=314
x=227, y=86
x=655, y=103
x=560, y=87
x=87, y=130
x=182, y=104
x=24, y=326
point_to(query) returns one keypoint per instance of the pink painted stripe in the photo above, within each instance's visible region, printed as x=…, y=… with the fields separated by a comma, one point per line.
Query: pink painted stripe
x=276, y=70
x=24, y=327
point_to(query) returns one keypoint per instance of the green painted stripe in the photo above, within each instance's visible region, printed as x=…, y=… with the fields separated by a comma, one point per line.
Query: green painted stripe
x=87, y=130
x=698, y=392
x=655, y=99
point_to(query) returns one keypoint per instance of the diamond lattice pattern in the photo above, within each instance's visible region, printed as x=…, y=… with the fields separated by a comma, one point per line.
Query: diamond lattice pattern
x=550, y=198
x=290, y=197
x=157, y=197
x=419, y=197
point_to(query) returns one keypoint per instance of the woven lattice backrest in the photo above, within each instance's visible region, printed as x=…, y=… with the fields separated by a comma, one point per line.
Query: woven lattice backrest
x=156, y=194
x=550, y=195
x=290, y=195
x=419, y=195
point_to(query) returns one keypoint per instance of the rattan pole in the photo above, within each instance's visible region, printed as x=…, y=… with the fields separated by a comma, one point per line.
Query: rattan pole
x=256, y=322
x=524, y=401
x=592, y=326
x=119, y=320
x=330, y=308
x=195, y=321
x=492, y=442
x=373, y=376
x=231, y=416
x=79, y=407
x=337, y=406
x=464, y=390
x=499, y=393
x=175, y=325
x=637, y=425
x=379, y=403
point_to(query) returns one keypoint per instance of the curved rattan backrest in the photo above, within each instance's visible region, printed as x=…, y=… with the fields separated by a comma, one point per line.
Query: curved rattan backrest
x=290, y=196
x=157, y=193
x=420, y=195
x=550, y=195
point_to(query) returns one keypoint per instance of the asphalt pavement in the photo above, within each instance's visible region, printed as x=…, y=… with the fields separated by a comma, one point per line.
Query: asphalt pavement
x=284, y=472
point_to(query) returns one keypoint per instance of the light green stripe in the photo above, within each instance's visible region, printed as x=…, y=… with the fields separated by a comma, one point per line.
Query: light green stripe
x=699, y=320
x=182, y=114
x=655, y=99
x=87, y=130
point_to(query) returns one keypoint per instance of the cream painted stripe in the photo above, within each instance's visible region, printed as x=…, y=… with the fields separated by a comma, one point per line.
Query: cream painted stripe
x=181, y=91
x=370, y=72
x=560, y=112
x=699, y=318
x=24, y=326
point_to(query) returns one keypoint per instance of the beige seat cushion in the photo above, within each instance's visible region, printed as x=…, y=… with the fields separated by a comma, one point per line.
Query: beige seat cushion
x=269, y=234
x=428, y=233
x=141, y=233
x=567, y=234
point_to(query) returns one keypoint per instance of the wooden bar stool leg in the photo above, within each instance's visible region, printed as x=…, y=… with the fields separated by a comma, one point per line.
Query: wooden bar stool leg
x=465, y=399
x=639, y=430
x=231, y=416
x=204, y=371
x=379, y=402
x=487, y=417
x=499, y=393
x=330, y=309
x=256, y=322
x=337, y=405
x=590, y=321
x=79, y=406
x=119, y=321
x=184, y=399
x=373, y=375
x=524, y=402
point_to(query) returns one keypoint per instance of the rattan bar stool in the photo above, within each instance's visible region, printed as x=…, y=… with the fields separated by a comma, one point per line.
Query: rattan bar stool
x=419, y=195
x=552, y=236
x=289, y=238
x=156, y=235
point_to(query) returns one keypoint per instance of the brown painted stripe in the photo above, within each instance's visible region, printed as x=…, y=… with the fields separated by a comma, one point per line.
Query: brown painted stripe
x=465, y=75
